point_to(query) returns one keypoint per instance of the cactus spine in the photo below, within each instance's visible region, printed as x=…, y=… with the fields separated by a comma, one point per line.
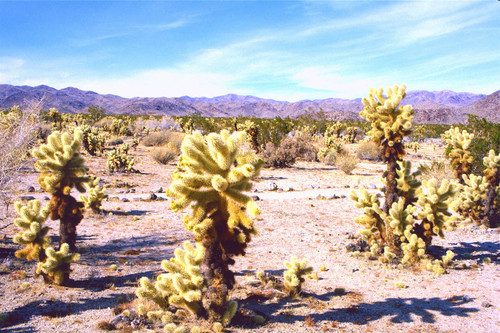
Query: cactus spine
x=213, y=174
x=390, y=123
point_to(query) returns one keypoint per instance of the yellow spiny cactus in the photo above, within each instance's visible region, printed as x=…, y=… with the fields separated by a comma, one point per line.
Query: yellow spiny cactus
x=60, y=163
x=33, y=233
x=374, y=218
x=461, y=157
x=492, y=164
x=95, y=195
x=293, y=276
x=469, y=200
x=57, y=264
x=390, y=121
x=214, y=174
x=181, y=285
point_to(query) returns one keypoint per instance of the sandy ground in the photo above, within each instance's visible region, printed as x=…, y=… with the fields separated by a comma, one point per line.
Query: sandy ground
x=308, y=215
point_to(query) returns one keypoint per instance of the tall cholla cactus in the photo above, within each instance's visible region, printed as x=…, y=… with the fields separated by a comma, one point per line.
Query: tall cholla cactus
x=390, y=123
x=33, y=233
x=492, y=201
x=212, y=175
x=461, y=157
x=412, y=213
x=62, y=168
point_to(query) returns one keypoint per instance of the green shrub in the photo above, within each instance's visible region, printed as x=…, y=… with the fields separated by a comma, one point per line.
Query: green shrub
x=289, y=150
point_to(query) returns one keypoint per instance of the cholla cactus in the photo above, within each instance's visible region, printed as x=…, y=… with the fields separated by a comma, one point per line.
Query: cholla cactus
x=469, y=202
x=62, y=168
x=461, y=157
x=213, y=174
x=33, y=233
x=252, y=133
x=96, y=195
x=390, y=123
x=293, y=276
x=57, y=264
x=119, y=161
x=181, y=285
x=414, y=145
x=351, y=134
x=93, y=141
x=335, y=129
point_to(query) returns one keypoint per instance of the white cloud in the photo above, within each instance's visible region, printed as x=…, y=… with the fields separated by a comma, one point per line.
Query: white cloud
x=11, y=69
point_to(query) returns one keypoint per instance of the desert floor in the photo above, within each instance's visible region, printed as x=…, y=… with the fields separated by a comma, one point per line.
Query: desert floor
x=309, y=216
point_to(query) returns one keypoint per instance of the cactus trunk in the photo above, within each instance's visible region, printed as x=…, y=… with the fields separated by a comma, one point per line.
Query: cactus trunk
x=219, y=279
x=491, y=217
x=68, y=211
x=391, y=196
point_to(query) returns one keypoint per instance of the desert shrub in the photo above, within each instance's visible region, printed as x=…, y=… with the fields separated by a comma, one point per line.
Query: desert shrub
x=164, y=155
x=18, y=130
x=346, y=162
x=438, y=170
x=156, y=139
x=369, y=151
x=289, y=150
x=327, y=156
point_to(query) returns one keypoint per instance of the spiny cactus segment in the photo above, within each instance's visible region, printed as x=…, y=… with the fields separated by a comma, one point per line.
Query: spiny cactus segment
x=96, y=195
x=459, y=143
x=57, y=264
x=33, y=233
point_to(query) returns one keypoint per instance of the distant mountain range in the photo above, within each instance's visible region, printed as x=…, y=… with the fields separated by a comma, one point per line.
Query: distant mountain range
x=445, y=107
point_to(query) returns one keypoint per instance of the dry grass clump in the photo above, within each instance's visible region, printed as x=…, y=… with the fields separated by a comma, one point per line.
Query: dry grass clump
x=369, y=151
x=157, y=139
x=438, y=170
x=346, y=162
x=164, y=155
x=328, y=156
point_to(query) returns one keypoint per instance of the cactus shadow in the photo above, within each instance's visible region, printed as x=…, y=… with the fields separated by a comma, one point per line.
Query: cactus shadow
x=105, y=282
x=53, y=309
x=401, y=310
x=477, y=251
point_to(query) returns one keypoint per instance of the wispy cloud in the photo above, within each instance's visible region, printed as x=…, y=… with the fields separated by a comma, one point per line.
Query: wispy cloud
x=11, y=69
x=166, y=26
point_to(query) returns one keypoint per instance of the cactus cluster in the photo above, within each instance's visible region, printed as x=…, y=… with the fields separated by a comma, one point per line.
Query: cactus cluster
x=119, y=160
x=92, y=140
x=479, y=197
x=95, y=196
x=413, y=212
x=57, y=264
x=252, y=133
x=458, y=145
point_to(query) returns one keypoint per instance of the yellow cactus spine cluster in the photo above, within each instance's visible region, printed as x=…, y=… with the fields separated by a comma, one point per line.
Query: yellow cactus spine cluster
x=60, y=163
x=293, y=277
x=459, y=143
x=469, y=201
x=57, y=264
x=182, y=284
x=212, y=176
x=390, y=122
x=96, y=195
x=33, y=233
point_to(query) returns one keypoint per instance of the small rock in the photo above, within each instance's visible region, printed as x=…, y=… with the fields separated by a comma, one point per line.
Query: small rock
x=371, y=186
x=160, y=190
x=26, y=197
x=46, y=198
x=125, y=200
x=117, y=319
x=272, y=187
x=486, y=304
x=466, y=298
x=342, y=196
x=255, y=198
x=132, y=190
x=127, y=191
x=153, y=196
x=31, y=189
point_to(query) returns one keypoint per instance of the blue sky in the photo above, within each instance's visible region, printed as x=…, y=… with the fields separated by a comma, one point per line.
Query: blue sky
x=284, y=50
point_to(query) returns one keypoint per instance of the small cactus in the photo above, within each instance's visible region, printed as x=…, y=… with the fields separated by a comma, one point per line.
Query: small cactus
x=293, y=277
